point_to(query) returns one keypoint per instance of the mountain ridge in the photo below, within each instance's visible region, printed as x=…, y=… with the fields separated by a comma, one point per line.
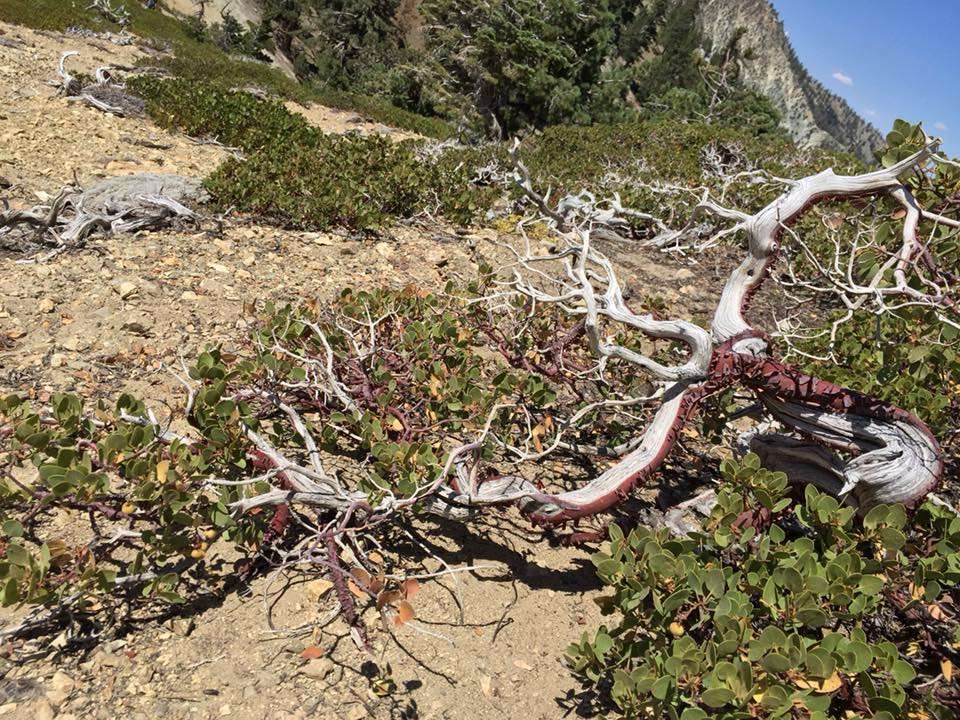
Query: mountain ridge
x=813, y=116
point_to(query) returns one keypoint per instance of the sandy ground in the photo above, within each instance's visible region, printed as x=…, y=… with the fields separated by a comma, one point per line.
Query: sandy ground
x=107, y=318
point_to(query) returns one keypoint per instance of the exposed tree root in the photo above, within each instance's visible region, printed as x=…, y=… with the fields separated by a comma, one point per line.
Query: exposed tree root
x=103, y=94
x=128, y=204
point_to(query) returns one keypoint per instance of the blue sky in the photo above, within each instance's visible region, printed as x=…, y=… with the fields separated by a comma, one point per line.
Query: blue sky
x=887, y=58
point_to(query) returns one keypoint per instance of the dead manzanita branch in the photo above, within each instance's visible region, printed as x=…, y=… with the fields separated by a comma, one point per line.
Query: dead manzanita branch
x=861, y=449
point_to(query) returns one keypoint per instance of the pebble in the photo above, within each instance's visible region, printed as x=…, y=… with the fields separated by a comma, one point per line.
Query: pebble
x=43, y=711
x=126, y=289
x=317, y=669
x=62, y=682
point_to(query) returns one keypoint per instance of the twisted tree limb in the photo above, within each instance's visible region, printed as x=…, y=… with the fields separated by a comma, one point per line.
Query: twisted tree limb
x=858, y=448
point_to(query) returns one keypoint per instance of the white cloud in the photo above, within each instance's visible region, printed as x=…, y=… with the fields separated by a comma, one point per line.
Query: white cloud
x=941, y=126
x=842, y=78
x=869, y=112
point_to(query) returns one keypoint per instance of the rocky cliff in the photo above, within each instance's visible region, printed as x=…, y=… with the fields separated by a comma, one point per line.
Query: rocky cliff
x=813, y=115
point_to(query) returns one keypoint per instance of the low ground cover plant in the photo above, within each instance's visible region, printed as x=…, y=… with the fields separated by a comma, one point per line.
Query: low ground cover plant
x=780, y=609
x=301, y=177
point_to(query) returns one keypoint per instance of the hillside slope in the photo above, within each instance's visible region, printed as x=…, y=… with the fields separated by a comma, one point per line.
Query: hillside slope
x=813, y=115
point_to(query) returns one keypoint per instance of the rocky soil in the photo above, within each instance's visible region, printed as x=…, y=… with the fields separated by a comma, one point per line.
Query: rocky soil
x=110, y=317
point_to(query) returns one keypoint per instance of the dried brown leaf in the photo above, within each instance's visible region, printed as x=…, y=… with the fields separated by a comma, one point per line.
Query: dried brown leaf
x=410, y=587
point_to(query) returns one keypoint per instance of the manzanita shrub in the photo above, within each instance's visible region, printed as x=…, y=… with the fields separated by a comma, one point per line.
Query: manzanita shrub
x=110, y=514
x=296, y=175
x=908, y=355
x=145, y=511
x=780, y=610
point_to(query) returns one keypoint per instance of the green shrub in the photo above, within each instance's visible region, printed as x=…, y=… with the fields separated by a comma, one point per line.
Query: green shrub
x=52, y=14
x=157, y=494
x=196, y=56
x=361, y=183
x=909, y=357
x=234, y=117
x=299, y=176
x=776, y=613
x=535, y=72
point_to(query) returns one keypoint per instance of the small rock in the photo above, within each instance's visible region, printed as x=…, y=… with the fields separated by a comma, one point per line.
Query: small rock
x=43, y=711
x=267, y=679
x=137, y=328
x=317, y=669
x=63, y=682
x=150, y=288
x=316, y=589
x=384, y=250
x=189, y=295
x=225, y=710
x=126, y=289
x=56, y=697
x=436, y=256
x=319, y=238
x=58, y=360
x=4, y=183
x=109, y=660
x=74, y=343
x=182, y=626
x=683, y=274
x=46, y=305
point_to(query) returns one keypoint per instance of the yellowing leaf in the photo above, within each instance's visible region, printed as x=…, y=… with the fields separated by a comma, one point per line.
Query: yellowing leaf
x=387, y=597
x=946, y=667
x=356, y=590
x=828, y=685
x=936, y=612
x=162, y=467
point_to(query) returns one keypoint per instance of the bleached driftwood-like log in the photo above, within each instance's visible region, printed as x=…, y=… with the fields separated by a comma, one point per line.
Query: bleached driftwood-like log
x=103, y=94
x=117, y=205
x=862, y=450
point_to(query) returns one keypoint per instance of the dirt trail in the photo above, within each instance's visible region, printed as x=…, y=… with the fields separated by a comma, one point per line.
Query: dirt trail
x=108, y=318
